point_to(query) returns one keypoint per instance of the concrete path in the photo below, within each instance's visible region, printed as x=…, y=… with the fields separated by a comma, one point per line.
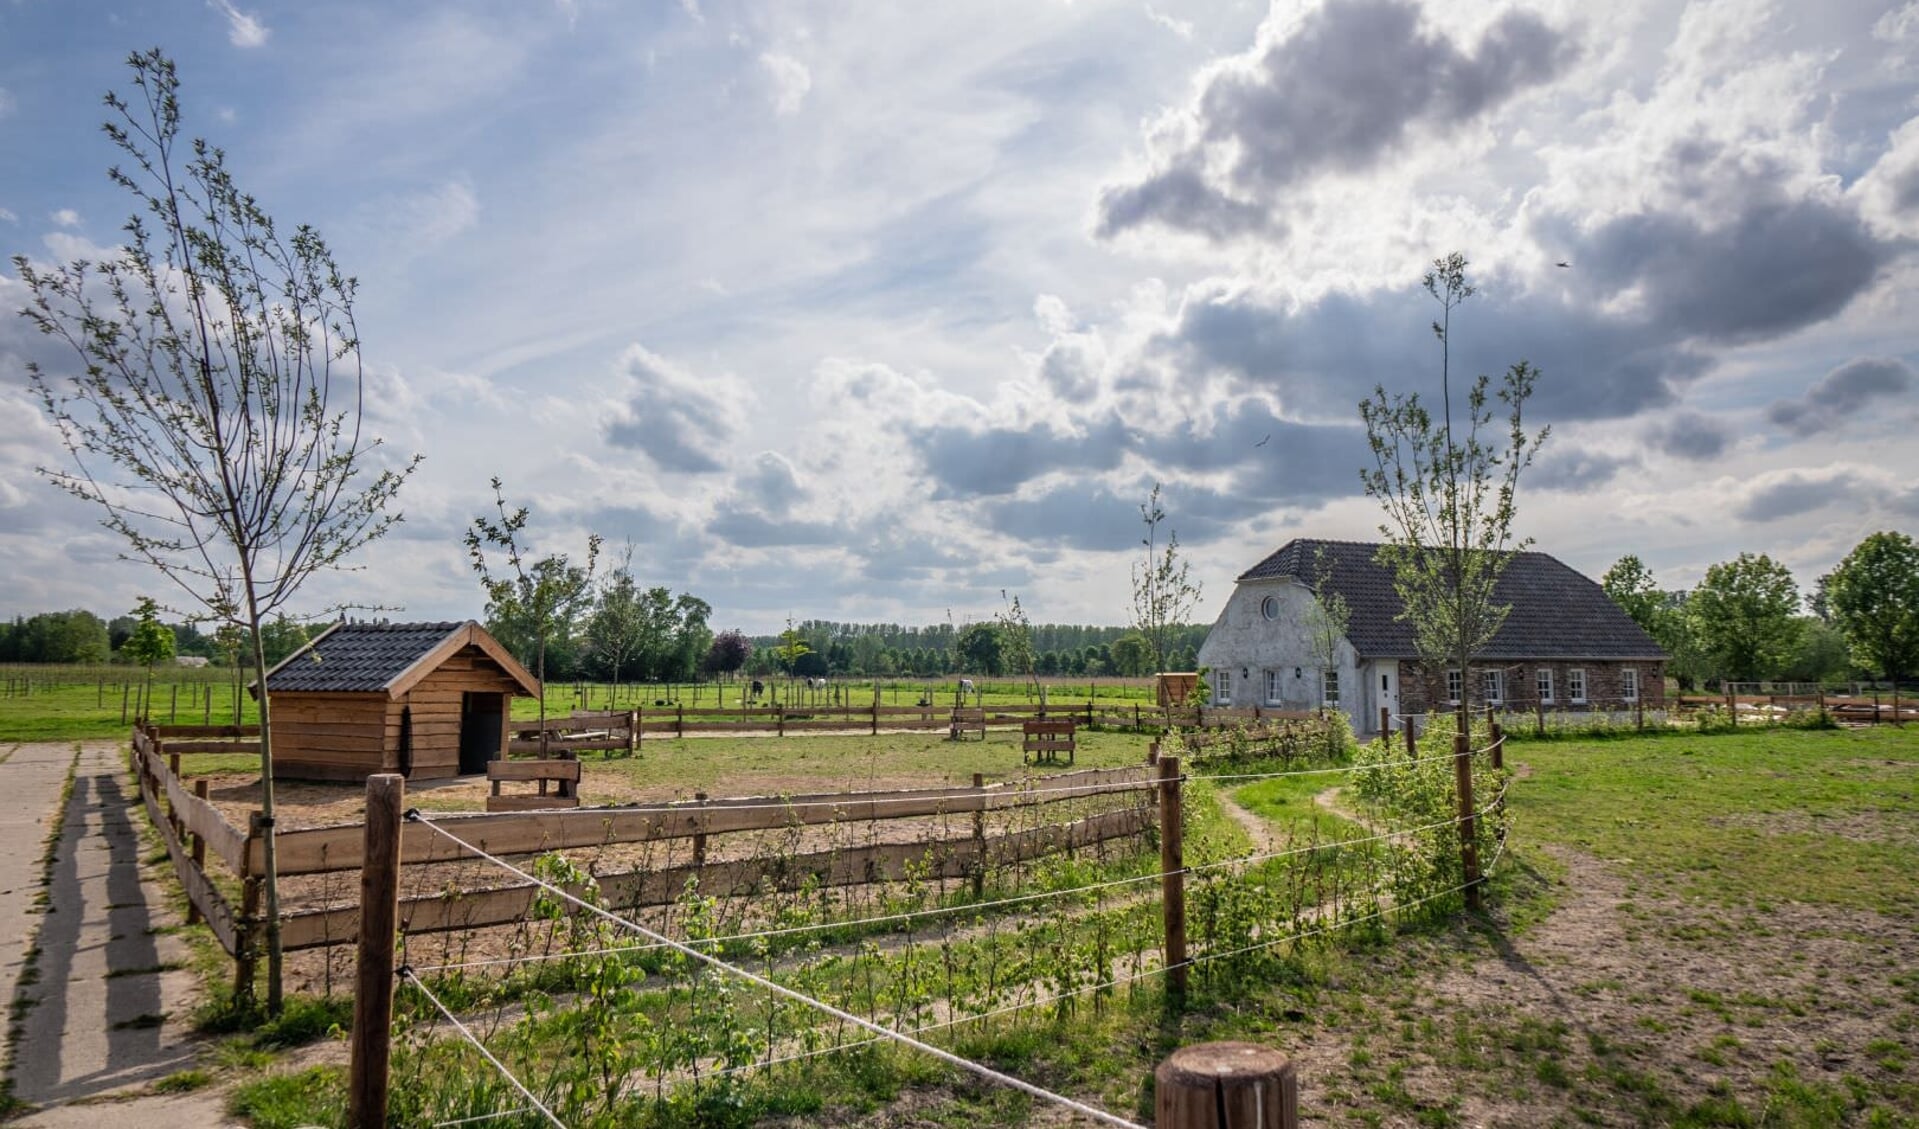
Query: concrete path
x=108, y=1012
x=31, y=777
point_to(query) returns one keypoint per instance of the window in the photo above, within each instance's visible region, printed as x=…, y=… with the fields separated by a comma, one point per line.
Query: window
x=1274, y=696
x=1454, y=685
x=1329, y=686
x=1629, y=684
x=1576, y=684
x=1493, y=682
x=1269, y=607
x=1544, y=680
x=1222, y=687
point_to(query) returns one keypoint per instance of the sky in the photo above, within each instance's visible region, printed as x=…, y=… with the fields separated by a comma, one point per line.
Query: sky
x=876, y=312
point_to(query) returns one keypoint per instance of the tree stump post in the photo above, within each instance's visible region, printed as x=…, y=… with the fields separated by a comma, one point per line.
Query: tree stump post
x=1468, y=835
x=373, y=986
x=979, y=837
x=1226, y=1086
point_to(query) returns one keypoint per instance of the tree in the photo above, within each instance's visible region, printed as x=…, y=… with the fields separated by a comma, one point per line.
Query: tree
x=1450, y=503
x=981, y=650
x=1629, y=583
x=215, y=416
x=1327, y=617
x=1016, y=641
x=728, y=652
x=1132, y=654
x=793, y=647
x=613, y=628
x=538, y=600
x=1743, y=614
x=1164, y=594
x=151, y=642
x=1874, y=599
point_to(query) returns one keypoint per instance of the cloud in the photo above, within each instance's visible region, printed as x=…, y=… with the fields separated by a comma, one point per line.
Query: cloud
x=972, y=461
x=1784, y=494
x=1338, y=91
x=1843, y=396
x=680, y=423
x=244, y=30
x=66, y=217
x=1181, y=28
x=1573, y=469
x=791, y=81
x=7, y=216
x=1689, y=435
x=6, y=102
x=406, y=225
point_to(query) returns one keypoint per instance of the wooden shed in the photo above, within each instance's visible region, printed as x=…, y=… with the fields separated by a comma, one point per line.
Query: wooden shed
x=428, y=700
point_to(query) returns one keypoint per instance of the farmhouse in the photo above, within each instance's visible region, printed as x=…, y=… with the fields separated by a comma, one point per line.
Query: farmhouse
x=428, y=700
x=1564, y=646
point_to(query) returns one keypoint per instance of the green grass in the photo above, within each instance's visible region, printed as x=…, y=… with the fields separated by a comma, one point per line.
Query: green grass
x=1743, y=819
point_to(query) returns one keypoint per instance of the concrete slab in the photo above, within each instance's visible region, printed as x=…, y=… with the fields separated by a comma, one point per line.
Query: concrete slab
x=106, y=1012
x=31, y=777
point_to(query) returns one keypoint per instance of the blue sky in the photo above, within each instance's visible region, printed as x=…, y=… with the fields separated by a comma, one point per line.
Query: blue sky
x=869, y=312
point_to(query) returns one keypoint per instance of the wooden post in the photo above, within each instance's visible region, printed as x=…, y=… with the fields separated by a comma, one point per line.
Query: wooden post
x=1172, y=882
x=1152, y=753
x=249, y=924
x=123, y=703
x=1499, y=745
x=1226, y=1086
x=699, y=837
x=173, y=817
x=1412, y=749
x=197, y=850
x=173, y=709
x=632, y=732
x=679, y=720
x=373, y=986
x=1539, y=717
x=779, y=719
x=979, y=837
x=1468, y=838
x=1385, y=722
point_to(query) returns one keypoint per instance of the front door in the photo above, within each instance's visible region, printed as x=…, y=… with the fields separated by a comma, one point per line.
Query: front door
x=480, y=721
x=1386, y=677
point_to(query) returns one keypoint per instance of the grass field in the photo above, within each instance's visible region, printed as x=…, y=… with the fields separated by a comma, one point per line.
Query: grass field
x=1686, y=930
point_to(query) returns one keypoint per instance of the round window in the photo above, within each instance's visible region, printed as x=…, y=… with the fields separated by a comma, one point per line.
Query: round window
x=1269, y=607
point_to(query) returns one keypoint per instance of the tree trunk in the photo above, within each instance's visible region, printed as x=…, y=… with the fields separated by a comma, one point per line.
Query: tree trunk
x=542, y=697
x=270, y=853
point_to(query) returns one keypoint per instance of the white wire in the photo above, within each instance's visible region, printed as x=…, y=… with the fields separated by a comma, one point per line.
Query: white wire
x=479, y=1046
x=945, y=1056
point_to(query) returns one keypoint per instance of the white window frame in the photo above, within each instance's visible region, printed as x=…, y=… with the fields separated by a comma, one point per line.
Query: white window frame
x=1493, y=684
x=1329, y=688
x=1455, y=686
x=1269, y=608
x=1543, y=684
x=1629, y=683
x=1274, y=695
x=1576, y=685
x=1222, y=686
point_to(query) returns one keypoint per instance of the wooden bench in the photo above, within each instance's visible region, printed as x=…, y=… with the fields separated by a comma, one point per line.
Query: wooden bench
x=1046, y=740
x=564, y=775
x=968, y=719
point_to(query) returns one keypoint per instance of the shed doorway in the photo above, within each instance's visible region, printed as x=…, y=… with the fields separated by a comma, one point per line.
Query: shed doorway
x=481, y=717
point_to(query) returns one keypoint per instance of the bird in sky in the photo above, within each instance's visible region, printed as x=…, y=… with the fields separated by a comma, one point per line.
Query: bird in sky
x=1262, y=442
x=1563, y=264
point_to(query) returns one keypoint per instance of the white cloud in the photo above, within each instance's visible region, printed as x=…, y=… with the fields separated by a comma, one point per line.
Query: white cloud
x=1181, y=28
x=244, y=29
x=66, y=217
x=790, y=78
x=7, y=216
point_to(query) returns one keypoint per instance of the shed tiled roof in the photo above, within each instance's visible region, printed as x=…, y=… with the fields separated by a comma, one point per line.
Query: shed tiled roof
x=1556, y=611
x=358, y=657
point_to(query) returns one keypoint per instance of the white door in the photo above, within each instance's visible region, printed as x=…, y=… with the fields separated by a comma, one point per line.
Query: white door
x=1386, y=689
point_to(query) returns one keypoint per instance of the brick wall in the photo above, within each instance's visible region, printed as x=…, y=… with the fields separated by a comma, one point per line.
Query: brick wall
x=1420, y=690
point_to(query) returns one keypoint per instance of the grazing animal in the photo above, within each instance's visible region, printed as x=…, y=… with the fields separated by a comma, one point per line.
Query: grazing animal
x=966, y=689
x=758, y=689
x=816, y=684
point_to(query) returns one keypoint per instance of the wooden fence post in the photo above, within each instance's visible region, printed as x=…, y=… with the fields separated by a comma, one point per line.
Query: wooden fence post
x=1385, y=722
x=699, y=837
x=173, y=816
x=247, y=928
x=1468, y=838
x=979, y=837
x=1499, y=745
x=1412, y=749
x=632, y=731
x=1226, y=1086
x=1172, y=882
x=197, y=850
x=373, y=988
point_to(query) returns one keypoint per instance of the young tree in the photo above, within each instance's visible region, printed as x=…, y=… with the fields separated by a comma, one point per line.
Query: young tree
x=1016, y=641
x=215, y=414
x=613, y=628
x=1449, y=502
x=539, y=600
x=151, y=642
x=1874, y=599
x=1164, y=593
x=1743, y=614
x=1327, y=617
x=793, y=647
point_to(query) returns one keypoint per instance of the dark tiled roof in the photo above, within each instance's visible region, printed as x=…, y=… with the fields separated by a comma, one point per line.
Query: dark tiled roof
x=358, y=657
x=1556, y=611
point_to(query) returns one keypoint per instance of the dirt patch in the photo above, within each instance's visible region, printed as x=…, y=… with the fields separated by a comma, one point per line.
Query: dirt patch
x=1619, y=1010
x=1869, y=826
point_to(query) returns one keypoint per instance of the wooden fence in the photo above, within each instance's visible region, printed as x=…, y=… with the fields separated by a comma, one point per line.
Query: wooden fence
x=194, y=828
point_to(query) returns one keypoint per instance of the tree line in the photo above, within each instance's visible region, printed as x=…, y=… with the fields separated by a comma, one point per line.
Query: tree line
x=80, y=636
x=1747, y=621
